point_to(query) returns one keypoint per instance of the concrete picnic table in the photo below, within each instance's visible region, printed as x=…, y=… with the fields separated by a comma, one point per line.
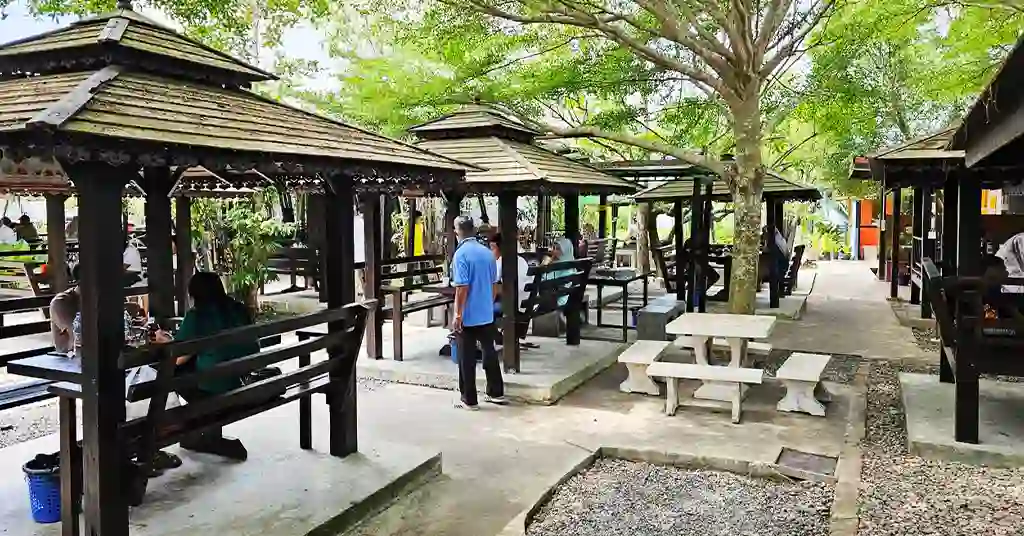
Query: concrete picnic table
x=737, y=330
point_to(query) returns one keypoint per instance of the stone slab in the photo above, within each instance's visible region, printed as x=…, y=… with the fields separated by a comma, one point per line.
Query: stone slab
x=930, y=423
x=722, y=325
x=548, y=372
x=280, y=490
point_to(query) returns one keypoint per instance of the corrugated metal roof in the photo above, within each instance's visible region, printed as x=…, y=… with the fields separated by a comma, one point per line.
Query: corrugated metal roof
x=682, y=188
x=470, y=117
x=513, y=162
x=127, y=29
x=153, y=108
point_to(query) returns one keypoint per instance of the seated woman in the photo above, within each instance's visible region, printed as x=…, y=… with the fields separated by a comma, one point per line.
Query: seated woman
x=212, y=311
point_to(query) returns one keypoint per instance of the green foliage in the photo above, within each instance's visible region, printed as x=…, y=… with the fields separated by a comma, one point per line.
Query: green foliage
x=251, y=238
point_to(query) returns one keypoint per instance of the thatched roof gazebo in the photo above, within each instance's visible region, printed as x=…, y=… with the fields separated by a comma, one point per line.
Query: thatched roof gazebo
x=114, y=95
x=515, y=164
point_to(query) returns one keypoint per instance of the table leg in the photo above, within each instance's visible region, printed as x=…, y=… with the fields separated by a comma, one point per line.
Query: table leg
x=645, y=291
x=70, y=463
x=599, y=291
x=625, y=313
x=700, y=349
x=720, y=391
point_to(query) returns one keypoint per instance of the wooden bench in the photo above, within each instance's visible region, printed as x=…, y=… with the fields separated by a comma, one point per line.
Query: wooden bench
x=666, y=261
x=544, y=290
x=637, y=358
x=801, y=374
x=36, y=390
x=673, y=372
x=602, y=252
x=401, y=277
x=972, y=344
x=160, y=427
x=295, y=262
x=789, y=279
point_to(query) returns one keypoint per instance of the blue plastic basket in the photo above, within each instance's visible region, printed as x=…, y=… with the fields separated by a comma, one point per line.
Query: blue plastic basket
x=43, y=479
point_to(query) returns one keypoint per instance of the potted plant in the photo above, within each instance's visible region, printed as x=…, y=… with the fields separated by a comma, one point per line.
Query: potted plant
x=250, y=240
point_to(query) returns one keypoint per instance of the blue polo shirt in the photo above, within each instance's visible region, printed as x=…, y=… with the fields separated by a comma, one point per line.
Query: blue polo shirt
x=473, y=266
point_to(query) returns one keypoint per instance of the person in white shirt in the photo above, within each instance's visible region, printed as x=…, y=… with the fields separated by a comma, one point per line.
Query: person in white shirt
x=7, y=233
x=522, y=270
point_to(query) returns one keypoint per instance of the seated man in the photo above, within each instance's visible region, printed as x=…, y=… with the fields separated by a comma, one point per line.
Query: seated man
x=522, y=277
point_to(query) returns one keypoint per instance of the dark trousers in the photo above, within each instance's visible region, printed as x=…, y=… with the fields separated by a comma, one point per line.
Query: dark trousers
x=467, y=343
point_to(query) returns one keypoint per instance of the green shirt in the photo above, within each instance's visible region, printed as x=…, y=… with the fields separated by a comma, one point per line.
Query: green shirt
x=205, y=322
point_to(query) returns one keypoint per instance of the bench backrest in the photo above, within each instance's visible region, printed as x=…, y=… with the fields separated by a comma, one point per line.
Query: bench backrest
x=549, y=282
x=414, y=272
x=303, y=262
x=8, y=331
x=936, y=294
x=602, y=251
x=794, y=264
x=143, y=434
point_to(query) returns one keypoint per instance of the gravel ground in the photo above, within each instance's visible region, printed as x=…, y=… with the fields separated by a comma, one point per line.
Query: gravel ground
x=33, y=421
x=616, y=498
x=903, y=494
x=928, y=340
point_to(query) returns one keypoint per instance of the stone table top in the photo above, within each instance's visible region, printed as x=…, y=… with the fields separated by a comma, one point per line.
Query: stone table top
x=722, y=325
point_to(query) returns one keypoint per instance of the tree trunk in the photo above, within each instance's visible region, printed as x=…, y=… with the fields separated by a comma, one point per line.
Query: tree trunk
x=746, y=180
x=643, y=244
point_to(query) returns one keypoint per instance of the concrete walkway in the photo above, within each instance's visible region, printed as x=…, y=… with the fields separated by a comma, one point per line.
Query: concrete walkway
x=847, y=313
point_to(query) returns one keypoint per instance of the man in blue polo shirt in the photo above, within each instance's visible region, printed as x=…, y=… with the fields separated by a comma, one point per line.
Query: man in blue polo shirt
x=475, y=279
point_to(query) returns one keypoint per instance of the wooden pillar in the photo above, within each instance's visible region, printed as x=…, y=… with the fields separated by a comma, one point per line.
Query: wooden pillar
x=917, y=244
x=950, y=224
x=968, y=254
x=543, y=219
x=372, y=274
x=387, y=232
x=602, y=217
x=452, y=208
x=894, y=235
x=507, y=222
x=572, y=232
x=677, y=233
x=856, y=250
x=104, y=509
x=183, y=250
x=774, y=277
x=410, y=228
x=340, y=279
x=56, y=243
x=159, y=255
x=881, y=232
x=927, y=246
x=696, y=217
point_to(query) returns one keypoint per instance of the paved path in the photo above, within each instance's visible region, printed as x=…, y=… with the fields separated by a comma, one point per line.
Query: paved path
x=847, y=313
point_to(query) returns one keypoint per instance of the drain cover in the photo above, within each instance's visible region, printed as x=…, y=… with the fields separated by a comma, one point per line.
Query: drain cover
x=807, y=462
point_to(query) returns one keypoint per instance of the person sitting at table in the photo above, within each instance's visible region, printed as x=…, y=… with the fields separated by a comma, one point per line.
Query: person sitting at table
x=212, y=311
x=26, y=230
x=64, y=308
x=522, y=269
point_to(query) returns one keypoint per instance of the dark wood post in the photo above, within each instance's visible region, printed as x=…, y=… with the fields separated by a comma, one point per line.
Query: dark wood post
x=881, y=232
x=387, y=232
x=183, y=250
x=696, y=217
x=56, y=243
x=856, y=252
x=774, y=277
x=371, y=273
x=572, y=232
x=927, y=246
x=917, y=244
x=159, y=256
x=410, y=229
x=950, y=225
x=508, y=224
x=105, y=509
x=602, y=217
x=543, y=219
x=680, y=259
x=316, y=206
x=897, y=227
x=968, y=254
x=452, y=208
x=340, y=279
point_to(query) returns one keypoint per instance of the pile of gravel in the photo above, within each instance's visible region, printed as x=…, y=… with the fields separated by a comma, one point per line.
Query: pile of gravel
x=616, y=498
x=926, y=339
x=903, y=494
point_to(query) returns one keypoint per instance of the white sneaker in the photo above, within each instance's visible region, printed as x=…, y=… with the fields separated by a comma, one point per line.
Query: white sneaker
x=459, y=404
x=497, y=400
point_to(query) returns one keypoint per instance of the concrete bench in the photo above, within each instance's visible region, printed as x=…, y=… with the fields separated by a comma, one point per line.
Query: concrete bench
x=637, y=358
x=801, y=374
x=673, y=372
x=651, y=320
x=753, y=347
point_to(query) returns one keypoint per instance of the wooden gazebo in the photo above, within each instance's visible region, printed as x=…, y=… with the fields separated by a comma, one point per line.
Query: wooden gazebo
x=114, y=95
x=516, y=164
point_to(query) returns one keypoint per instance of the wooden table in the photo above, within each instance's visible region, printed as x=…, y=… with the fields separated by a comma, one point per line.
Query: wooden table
x=738, y=330
x=617, y=278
